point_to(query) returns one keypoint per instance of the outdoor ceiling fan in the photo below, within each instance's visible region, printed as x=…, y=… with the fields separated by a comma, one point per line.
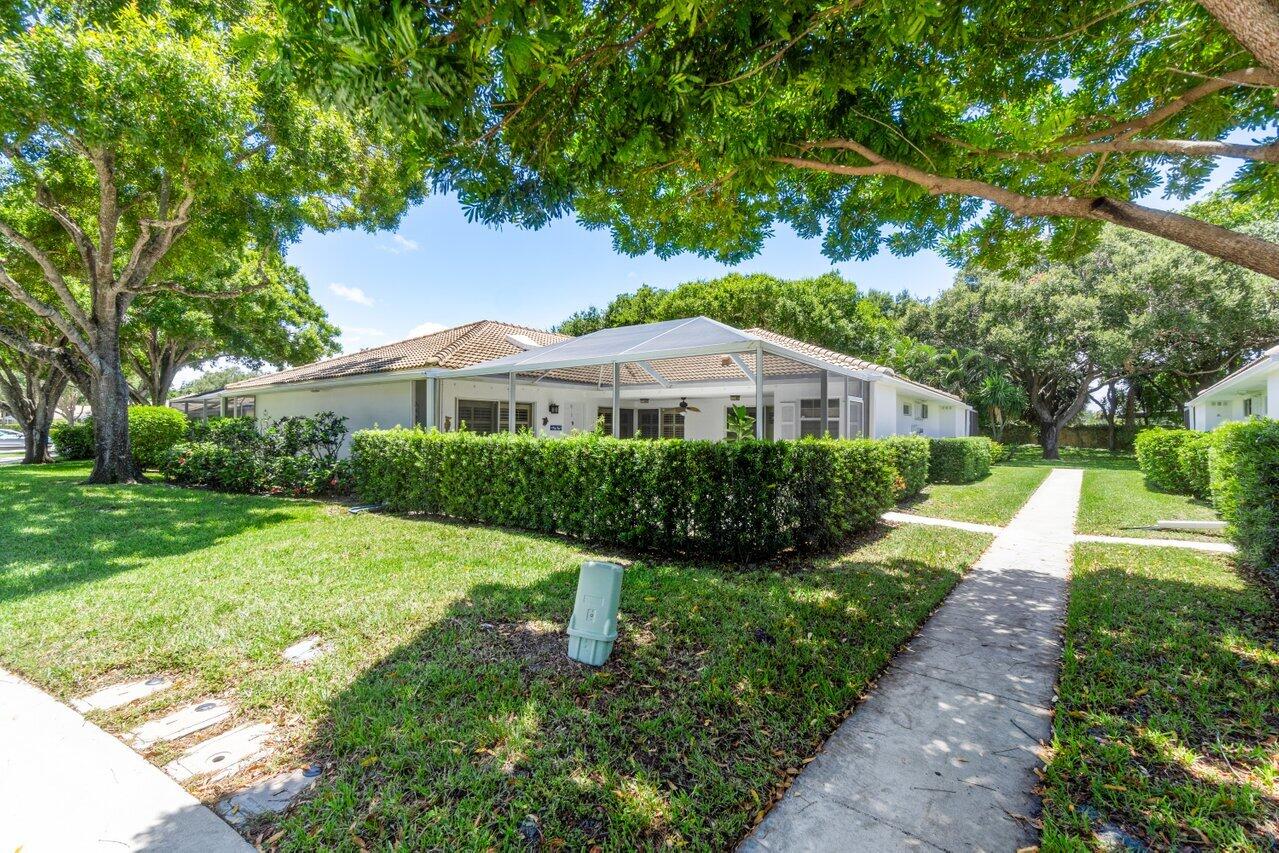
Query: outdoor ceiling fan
x=685, y=407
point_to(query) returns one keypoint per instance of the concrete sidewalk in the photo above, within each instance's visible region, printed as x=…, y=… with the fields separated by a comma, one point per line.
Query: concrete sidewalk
x=65, y=784
x=942, y=753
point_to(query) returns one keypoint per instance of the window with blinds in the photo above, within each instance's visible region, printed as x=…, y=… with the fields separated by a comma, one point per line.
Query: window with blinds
x=489, y=416
x=810, y=417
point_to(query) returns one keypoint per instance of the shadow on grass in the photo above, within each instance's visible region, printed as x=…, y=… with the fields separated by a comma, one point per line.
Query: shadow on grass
x=479, y=732
x=1170, y=705
x=1031, y=455
x=57, y=532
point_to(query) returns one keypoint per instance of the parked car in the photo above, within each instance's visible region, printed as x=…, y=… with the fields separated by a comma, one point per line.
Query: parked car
x=11, y=439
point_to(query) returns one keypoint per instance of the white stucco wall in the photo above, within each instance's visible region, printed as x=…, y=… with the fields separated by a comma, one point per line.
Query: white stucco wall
x=380, y=404
x=388, y=404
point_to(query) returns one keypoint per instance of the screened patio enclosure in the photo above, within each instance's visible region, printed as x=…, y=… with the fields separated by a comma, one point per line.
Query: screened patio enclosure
x=648, y=379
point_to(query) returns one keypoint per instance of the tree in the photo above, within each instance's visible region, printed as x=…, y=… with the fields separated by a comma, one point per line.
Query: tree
x=983, y=126
x=216, y=380
x=31, y=388
x=1048, y=329
x=827, y=310
x=1003, y=401
x=276, y=323
x=136, y=141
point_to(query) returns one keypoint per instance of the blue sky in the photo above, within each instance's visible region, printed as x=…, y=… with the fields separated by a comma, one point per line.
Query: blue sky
x=437, y=270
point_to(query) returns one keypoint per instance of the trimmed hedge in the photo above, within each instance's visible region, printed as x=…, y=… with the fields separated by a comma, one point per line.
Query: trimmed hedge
x=1159, y=456
x=73, y=442
x=741, y=500
x=1193, y=461
x=910, y=457
x=1244, y=465
x=153, y=430
x=959, y=460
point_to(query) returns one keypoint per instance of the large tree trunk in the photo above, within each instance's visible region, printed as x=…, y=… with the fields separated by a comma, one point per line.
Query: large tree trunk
x=1049, y=438
x=1253, y=23
x=113, y=457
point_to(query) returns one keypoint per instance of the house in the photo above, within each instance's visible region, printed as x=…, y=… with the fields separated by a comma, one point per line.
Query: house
x=1252, y=390
x=676, y=379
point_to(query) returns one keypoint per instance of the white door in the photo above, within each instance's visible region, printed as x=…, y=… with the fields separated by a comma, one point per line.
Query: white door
x=787, y=421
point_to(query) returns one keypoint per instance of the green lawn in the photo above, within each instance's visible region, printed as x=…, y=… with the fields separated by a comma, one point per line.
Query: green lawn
x=1118, y=503
x=447, y=712
x=1166, y=726
x=992, y=500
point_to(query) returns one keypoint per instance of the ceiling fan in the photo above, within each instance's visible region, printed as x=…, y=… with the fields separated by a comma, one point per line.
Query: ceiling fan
x=685, y=407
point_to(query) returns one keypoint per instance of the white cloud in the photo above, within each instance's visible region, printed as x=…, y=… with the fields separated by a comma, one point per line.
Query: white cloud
x=356, y=338
x=352, y=294
x=402, y=245
x=425, y=329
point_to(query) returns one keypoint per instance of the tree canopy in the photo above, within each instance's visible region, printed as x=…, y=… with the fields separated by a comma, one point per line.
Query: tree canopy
x=827, y=310
x=138, y=139
x=992, y=129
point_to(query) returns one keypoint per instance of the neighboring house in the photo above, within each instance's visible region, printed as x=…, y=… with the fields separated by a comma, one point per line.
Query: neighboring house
x=1251, y=391
x=677, y=379
x=212, y=404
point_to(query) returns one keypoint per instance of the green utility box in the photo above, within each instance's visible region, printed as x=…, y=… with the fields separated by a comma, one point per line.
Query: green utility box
x=593, y=628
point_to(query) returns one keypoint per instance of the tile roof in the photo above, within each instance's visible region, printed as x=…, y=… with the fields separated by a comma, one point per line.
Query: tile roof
x=483, y=340
x=460, y=346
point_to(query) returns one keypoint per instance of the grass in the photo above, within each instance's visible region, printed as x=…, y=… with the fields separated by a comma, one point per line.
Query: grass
x=994, y=499
x=1119, y=503
x=1166, y=725
x=446, y=714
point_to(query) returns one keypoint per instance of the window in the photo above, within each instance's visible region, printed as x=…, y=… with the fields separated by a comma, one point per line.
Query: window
x=648, y=423
x=489, y=416
x=810, y=417
x=750, y=410
x=856, y=418
x=672, y=423
x=627, y=419
x=906, y=409
x=923, y=411
x=1247, y=407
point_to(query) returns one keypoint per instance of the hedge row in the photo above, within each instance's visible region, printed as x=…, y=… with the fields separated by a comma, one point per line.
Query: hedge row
x=910, y=458
x=1244, y=476
x=741, y=500
x=152, y=431
x=1160, y=457
x=959, y=460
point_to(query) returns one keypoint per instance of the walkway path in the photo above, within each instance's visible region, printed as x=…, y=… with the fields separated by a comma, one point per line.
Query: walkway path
x=942, y=753
x=65, y=784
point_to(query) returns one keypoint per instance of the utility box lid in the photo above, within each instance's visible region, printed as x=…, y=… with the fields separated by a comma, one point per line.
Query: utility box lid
x=599, y=592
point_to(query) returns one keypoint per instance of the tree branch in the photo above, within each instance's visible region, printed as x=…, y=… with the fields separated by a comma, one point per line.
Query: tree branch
x=48, y=312
x=1253, y=23
x=154, y=240
x=1245, y=250
x=51, y=275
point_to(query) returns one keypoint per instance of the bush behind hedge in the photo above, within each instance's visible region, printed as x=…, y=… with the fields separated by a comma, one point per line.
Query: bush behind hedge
x=73, y=442
x=910, y=457
x=153, y=430
x=959, y=460
x=741, y=500
x=1244, y=476
x=1159, y=456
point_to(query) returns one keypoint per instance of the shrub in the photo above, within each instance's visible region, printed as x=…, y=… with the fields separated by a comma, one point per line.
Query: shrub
x=1192, y=458
x=295, y=456
x=73, y=442
x=910, y=458
x=959, y=460
x=1159, y=455
x=1244, y=465
x=153, y=430
x=1000, y=452
x=741, y=500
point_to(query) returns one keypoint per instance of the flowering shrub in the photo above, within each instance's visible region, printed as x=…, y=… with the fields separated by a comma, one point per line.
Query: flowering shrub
x=295, y=456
